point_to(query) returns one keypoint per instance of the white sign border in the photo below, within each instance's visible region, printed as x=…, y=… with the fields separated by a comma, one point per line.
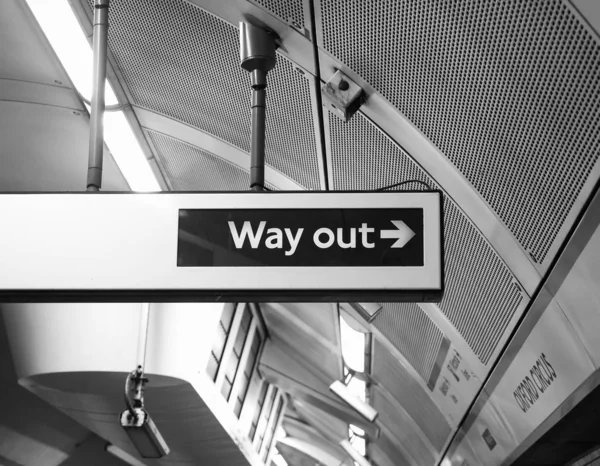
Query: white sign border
x=38, y=232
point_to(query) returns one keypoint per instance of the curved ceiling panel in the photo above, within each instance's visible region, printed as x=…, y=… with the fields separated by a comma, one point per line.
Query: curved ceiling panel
x=398, y=440
x=178, y=60
x=409, y=394
x=412, y=332
x=311, y=332
x=292, y=12
x=481, y=294
x=509, y=92
x=45, y=148
x=190, y=168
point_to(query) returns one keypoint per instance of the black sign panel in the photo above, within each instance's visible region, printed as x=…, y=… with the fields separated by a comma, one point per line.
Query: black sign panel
x=300, y=238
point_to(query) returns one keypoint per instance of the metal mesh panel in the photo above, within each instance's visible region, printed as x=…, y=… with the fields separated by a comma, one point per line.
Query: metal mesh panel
x=192, y=169
x=363, y=158
x=509, y=91
x=410, y=395
x=480, y=297
x=290, y=11
x=410, y=330
x=178, y=60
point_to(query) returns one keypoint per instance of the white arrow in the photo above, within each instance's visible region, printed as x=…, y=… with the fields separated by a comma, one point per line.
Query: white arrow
x=402, y=234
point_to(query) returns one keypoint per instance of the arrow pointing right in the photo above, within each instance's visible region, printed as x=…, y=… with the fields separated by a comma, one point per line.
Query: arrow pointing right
x=402, y=234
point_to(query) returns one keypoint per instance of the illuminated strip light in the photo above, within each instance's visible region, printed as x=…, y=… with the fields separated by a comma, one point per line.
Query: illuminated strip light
x=67, y=38
x=352, y=453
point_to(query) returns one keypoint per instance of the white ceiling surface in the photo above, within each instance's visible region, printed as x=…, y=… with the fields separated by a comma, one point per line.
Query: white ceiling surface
x=452, y=119
x=43, y=125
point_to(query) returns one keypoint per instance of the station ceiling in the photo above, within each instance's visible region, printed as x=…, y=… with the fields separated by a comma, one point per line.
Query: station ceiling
x=497, y=104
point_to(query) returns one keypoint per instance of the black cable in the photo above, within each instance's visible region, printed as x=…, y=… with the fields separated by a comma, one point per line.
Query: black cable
x=401, y=183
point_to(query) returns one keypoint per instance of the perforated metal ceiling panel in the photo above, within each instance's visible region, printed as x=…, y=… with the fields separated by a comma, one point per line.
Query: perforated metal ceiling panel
x=178, y=60
x=395, y=379
x=509, y=91
x=192, y=169
x=412, y=332
x=481, y=296
x=289, y=11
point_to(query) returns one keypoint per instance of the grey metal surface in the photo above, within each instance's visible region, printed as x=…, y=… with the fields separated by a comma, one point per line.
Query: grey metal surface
x=192, y=74
x=208, y=143
x=410, y=395
x=411, y=331
x=290, y=11
x=398, y=439
x=192, y=169
x=481, y=296
x=312, y=331
x=513, y=104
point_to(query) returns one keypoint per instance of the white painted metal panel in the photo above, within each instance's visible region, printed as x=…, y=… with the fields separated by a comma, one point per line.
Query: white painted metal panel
x=579, y=297
x=128, y=243
x=489, y=438
x=551, y=364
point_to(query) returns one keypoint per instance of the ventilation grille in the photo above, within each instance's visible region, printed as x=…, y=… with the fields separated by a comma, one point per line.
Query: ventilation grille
x=412, y=332
x=480, y=297
x=410, y=395
x=180, y=61
x=289, y=11
x=508, y=91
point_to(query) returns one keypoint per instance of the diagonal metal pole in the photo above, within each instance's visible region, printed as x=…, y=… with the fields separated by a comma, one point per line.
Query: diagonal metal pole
x=96, y=147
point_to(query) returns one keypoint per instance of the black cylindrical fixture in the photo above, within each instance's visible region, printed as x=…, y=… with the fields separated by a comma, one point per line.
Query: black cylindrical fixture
x=96, y=147
x=257, y=55
x=257, y=149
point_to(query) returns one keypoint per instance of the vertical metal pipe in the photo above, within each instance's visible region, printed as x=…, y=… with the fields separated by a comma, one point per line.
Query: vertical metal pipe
x=257, y=149
x=143, y=335
x=94, y=176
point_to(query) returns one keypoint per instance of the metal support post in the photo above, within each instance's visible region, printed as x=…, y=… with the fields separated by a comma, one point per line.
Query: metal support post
x=96, y=147
x=257, y=52
x=257, y=151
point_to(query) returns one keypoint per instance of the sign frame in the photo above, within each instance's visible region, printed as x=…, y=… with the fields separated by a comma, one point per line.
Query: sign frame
x=266, y=294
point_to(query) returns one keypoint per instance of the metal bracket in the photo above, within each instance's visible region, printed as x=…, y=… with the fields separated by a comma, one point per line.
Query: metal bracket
x=342, y=96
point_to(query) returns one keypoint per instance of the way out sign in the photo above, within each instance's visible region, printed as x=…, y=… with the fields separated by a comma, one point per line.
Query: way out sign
x=300, y=246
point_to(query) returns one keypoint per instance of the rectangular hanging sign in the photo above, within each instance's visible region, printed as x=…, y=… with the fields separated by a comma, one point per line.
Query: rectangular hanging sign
x=282, y=246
